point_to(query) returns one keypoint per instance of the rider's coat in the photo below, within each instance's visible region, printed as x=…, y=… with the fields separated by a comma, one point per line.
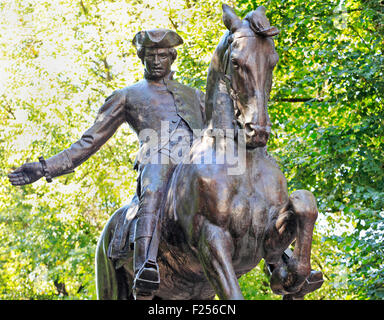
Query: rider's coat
x=142, y=107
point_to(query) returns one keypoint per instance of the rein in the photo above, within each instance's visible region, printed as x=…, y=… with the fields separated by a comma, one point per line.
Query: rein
x=225, y=75
x=227, y=78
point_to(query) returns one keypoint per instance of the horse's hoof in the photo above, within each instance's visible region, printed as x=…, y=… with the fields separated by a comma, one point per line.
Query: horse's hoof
x=278, y=278
x=288, y=278
x=312, y=283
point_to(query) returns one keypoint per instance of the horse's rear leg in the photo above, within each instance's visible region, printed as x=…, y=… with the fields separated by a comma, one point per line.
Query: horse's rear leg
x=289, y=277
x=215, y=247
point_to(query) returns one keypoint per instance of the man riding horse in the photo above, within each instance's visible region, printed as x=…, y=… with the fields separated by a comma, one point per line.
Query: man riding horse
x=147, y=104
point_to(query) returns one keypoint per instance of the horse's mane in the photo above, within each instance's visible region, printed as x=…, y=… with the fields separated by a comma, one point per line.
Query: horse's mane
x=215, y=71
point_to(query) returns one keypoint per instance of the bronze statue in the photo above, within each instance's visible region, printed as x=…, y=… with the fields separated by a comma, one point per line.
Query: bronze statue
x=215, y=226
x=196, y=224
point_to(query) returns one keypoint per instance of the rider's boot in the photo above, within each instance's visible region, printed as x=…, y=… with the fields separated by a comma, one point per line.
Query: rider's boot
x=147, y=277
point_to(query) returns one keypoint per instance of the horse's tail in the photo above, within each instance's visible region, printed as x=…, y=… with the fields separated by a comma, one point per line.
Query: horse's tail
x=106, y=277
x=113, y=251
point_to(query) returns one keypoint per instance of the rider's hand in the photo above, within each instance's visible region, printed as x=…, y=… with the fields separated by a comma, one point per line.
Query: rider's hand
x=27, y=173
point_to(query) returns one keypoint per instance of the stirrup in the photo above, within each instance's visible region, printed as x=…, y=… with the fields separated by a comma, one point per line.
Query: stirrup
x=147, y=279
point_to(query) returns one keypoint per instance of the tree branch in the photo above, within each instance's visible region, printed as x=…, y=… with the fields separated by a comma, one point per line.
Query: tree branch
x=174, y=24
x=8, y=107
x=85, y=10
x=293, y=100
x=107, y=68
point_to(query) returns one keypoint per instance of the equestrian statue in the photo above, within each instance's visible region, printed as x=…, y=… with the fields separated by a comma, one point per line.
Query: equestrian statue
x=196, y=222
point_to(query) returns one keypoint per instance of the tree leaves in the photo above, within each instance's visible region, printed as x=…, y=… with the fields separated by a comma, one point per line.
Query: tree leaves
x=59, y=61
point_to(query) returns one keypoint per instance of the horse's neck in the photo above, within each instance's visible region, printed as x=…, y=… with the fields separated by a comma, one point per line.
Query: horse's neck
x=222, y=107
x=219, y=104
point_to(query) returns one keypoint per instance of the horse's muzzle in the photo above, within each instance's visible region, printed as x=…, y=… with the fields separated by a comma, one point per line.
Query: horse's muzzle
x=256, y=136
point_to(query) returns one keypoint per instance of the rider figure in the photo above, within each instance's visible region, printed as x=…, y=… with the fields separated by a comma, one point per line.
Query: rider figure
x=146, y=104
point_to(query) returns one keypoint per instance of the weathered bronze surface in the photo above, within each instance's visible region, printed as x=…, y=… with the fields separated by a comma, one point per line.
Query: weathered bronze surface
x=196, y=224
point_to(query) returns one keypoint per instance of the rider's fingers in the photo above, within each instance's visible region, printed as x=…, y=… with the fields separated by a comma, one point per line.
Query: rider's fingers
x=13, y=176
x=16, y=179
x=18, y=172
x=16, y=182
x=19, y=182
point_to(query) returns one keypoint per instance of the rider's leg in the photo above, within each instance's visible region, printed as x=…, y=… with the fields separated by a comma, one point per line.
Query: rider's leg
x=152, y=184
x=144, y=229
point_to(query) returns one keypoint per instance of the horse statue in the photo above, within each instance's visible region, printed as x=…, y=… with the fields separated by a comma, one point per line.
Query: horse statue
x=215, y=225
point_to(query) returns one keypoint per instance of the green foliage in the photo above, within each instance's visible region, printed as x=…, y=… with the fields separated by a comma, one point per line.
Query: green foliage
x=332, y=142
x=59, y=60
x=255, y=284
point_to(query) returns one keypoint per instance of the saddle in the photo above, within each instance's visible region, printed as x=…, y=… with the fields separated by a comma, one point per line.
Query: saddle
x=122, y=241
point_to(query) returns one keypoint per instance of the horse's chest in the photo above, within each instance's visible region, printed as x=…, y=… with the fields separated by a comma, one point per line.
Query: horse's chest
x=248, y=215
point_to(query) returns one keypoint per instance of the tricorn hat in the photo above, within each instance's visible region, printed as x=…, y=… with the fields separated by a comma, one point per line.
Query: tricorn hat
x=157, y=38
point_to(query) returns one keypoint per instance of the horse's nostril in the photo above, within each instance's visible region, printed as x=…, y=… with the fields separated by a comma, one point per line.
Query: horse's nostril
x=249, y=129
x=252, y=128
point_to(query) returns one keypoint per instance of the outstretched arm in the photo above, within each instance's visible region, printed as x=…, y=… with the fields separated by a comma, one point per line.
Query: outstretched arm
x=110, y=116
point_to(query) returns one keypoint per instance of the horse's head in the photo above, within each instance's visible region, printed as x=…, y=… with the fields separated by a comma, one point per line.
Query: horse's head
x=248, y=64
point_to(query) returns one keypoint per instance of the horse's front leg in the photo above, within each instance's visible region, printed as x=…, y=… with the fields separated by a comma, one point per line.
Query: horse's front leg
x=215, y=253
x=289, y=277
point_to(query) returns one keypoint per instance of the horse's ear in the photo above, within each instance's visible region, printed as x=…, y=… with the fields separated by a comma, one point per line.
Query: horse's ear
x=259, y=23
x=261, y=9
x=230, y=19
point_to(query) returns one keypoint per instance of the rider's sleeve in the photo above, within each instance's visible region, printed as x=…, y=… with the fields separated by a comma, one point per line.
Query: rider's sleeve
x=110, y=116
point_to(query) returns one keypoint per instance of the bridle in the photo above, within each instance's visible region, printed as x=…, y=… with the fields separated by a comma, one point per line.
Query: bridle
x=227, y=78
